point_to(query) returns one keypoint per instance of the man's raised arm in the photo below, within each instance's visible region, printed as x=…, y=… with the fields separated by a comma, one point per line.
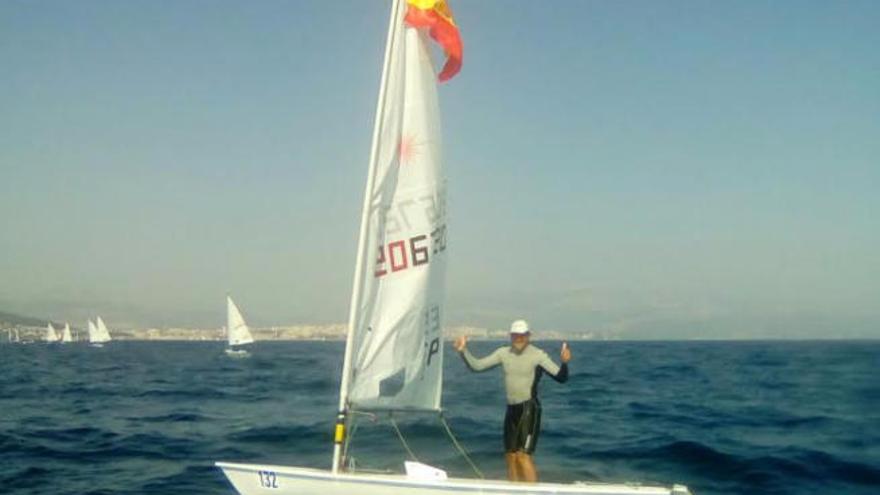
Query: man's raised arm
x=475, y=363
x=558, y=373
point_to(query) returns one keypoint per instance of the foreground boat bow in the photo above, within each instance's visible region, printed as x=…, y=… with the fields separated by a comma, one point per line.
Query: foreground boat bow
x=260, y=479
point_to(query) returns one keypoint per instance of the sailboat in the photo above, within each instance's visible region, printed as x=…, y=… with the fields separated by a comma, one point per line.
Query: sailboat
x=93, y=334
x=103, y=332
x=238, y=333
x=98, y=334
x=66, y=337
x=51, y=334
x=394, y=354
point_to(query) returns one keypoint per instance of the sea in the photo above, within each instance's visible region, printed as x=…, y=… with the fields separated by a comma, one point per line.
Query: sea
x=777, y=417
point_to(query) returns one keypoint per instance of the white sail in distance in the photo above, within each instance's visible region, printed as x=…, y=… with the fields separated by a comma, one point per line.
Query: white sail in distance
x=103, y=334
x=238, y=331
x=98, y=334
x=396, y=352
x=93, y=332
x=51, y=334
x=66, y=336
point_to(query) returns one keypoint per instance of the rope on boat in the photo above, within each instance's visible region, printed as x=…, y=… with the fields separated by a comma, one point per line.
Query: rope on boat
x=348, y=437
x=352, y=428
x=459, y=447
x=400, y=435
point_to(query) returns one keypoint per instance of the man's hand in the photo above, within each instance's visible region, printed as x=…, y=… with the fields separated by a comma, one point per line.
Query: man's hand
x=460, y=343
x=565, y=354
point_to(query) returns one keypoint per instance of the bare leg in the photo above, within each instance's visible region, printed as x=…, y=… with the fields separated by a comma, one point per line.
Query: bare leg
x=527, y=470
x=512, y=467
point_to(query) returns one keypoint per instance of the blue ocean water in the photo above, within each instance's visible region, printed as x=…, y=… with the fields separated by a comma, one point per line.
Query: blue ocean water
x=720, y=417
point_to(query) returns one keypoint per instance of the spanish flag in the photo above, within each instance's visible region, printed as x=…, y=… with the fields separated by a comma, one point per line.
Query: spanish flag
x=436, y=16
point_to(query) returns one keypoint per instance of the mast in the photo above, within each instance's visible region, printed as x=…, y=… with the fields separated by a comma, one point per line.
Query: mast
x=339, y=436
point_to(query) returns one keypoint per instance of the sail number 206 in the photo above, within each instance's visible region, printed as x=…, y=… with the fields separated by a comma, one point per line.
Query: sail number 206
x=400, y=255
x=268, y=479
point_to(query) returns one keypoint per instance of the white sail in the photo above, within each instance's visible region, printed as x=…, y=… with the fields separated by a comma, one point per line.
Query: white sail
x=396, y=356
x=103, y=335
x=66, y=336
x=51, y=335
x=238, y=331
x=93, y=332
x=98, y=333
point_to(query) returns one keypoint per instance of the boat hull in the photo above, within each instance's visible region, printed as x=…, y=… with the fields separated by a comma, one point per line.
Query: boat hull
x=251, y=479
x=237, y=353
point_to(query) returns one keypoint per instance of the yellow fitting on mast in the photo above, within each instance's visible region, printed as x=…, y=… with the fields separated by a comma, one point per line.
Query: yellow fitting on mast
x=339, y=436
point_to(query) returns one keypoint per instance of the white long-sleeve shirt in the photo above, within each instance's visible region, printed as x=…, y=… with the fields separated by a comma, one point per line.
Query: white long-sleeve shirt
x=521, y=370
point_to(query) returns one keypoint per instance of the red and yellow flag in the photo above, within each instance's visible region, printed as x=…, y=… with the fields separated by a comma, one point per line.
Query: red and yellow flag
x=437, y=17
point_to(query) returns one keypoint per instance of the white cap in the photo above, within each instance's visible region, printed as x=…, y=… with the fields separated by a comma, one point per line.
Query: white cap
x=519, y=327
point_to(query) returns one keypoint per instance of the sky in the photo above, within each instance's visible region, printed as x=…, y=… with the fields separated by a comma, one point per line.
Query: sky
x=637, y=169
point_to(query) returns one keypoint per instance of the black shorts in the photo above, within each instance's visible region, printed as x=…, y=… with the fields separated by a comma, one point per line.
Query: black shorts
x=522, y=424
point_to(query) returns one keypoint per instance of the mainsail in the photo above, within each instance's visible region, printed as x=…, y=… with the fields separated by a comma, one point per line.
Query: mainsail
x=98, y=334
x=66, y=336
x=51, y=335
x=394, y=355
x=93, y=331
x=103, y=333
x=239, y=333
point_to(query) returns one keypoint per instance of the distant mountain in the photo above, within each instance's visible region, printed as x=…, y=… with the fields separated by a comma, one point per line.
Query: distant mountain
x=9, y=319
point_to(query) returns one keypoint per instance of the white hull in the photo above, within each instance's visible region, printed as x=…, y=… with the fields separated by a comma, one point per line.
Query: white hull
x=239, y=353
x=258, y=479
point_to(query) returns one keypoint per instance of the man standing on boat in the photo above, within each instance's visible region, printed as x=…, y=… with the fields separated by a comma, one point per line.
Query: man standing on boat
x=523, y=366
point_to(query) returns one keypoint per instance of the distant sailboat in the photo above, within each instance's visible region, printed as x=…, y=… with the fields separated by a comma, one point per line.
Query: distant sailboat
x=238, y=333
x=66, y=337
x=103, y=333
x=93, y=333
x=98, y=334
x=51, y=334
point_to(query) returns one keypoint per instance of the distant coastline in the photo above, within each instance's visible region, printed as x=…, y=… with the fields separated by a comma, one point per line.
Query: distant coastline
x=337, y=333
x=30, y=329
x=331, y=332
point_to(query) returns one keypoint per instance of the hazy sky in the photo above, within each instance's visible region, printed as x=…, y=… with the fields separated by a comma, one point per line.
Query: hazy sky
x=649, y=168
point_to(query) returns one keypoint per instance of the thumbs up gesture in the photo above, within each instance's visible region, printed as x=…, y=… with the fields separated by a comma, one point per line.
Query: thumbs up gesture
x=565, y=354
